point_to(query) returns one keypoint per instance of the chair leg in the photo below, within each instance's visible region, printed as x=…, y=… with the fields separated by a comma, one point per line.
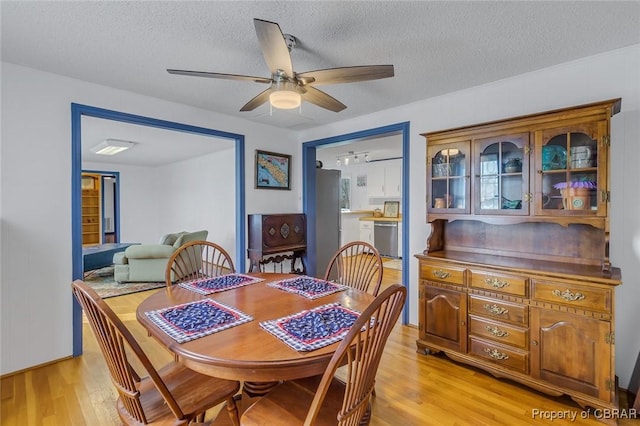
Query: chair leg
x=366, y=418
x=232, y=409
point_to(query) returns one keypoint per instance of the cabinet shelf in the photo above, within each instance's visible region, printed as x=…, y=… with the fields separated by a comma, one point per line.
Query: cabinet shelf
x=596, y=222
x=531, y=190
x=91, y=211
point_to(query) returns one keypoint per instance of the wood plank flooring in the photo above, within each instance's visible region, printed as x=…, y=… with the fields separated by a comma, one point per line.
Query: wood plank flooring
x=412, y=389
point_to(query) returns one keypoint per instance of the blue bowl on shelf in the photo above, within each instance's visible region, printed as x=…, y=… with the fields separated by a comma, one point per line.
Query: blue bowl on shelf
x=554, y=157
x=511, y=204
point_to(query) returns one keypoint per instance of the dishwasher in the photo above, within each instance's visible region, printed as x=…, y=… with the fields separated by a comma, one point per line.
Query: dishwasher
x=385, y=238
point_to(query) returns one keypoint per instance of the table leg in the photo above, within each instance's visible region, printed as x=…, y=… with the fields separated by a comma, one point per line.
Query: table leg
x=254, y=389
x=251, y=392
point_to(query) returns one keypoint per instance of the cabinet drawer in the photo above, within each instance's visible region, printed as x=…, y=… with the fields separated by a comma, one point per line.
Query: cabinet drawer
x=504, y=283
x=498, y=332
x=499, y=310
x=445, y=274
x=571, y=294
x=506, y=357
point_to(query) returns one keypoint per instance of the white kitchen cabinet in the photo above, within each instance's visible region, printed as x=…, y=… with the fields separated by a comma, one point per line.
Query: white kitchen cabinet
x=375, y=178
x=350, y=226
x=393, y=178
x=384, y=178
x=366, y=231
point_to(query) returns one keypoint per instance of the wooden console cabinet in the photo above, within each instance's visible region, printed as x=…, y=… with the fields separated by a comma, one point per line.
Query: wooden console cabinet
x=276, y=238
x=516, y=277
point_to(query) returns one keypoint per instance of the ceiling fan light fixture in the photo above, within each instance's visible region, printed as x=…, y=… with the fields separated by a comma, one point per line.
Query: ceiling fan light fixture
x=112, y=146
x=287, y=86
x=285, y=99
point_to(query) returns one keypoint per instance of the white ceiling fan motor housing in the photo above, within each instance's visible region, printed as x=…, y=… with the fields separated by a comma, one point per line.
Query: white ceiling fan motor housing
x=290, y=40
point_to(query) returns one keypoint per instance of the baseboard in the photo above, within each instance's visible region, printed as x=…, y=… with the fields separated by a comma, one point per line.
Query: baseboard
x=24, y=370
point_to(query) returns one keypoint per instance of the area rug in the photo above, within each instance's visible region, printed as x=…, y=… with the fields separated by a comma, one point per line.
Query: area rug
x=393, y=264
x=101, y=280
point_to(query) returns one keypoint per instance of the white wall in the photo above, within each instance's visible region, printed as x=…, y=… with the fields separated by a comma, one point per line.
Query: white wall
x=35, y=196
x=610, y=75
x=139, y=195
x=184, y=196
x=200, y=194
x=35, y=258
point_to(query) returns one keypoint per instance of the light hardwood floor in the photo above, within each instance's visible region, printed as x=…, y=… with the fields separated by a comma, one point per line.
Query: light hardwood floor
x=411, y=388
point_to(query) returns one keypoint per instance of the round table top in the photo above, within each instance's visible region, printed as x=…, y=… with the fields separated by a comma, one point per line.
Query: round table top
x=247, y=352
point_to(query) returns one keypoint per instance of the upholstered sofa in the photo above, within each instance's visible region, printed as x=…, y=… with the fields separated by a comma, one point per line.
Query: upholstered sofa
x=148, y=262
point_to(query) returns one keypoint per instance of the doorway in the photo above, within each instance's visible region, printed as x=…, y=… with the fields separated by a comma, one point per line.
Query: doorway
x=100, y=207
x=77, y=112
x=309, y=188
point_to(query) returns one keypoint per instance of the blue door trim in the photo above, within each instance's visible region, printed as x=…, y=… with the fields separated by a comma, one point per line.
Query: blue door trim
x=309, y=189
x=79, y=110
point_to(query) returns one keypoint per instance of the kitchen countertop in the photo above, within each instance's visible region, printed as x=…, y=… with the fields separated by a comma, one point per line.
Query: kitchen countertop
x=357, y=212
x=382, y=219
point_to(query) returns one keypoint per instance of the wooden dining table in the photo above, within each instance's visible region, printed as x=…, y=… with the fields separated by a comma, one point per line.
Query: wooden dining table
x=247, y=352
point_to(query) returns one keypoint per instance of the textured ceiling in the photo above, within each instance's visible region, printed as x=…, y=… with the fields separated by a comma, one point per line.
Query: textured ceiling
x=154, y=147
x=436, y=47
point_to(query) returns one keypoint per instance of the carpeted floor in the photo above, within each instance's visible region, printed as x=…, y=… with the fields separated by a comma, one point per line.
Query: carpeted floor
x=101, y=280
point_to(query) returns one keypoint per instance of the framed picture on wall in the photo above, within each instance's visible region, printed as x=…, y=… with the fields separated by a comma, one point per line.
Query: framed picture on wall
x=391, y=209
x=273, y=170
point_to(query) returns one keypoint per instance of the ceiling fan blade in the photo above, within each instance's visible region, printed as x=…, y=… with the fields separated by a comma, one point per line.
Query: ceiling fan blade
x=220, y=75
x=274, y=47
x=322, y=99
x=346, y=74
x=257, y=101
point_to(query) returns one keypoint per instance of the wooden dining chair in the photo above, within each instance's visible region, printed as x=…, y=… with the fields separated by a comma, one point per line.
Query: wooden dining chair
x=172, y=395
x=198, y=259
x=356, y=264
x=326, y=399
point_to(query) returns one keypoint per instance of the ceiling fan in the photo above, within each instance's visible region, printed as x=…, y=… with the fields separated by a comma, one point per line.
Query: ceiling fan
x=287, y=88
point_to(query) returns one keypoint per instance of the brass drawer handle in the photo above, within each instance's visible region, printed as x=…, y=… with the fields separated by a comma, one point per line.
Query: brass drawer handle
x=441, y=274
x=496, y=283
x=568, y=295
x=495, y=354
x=495, y=309
x=496, y=331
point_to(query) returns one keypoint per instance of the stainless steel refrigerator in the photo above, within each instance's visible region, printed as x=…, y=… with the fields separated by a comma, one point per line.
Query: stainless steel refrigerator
x=327, y=217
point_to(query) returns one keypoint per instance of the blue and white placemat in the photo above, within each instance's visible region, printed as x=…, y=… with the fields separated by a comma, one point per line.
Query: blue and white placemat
x=197, y=319
x=313, y=329
x=309, y=287
x=208, y=286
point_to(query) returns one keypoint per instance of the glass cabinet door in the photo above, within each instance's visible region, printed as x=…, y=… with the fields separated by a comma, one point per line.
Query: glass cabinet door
x=569, y=176
x=448, y=168
x=501, y=175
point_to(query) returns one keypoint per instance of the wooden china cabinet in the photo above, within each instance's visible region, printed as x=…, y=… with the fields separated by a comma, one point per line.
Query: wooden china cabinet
x=516, y=277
